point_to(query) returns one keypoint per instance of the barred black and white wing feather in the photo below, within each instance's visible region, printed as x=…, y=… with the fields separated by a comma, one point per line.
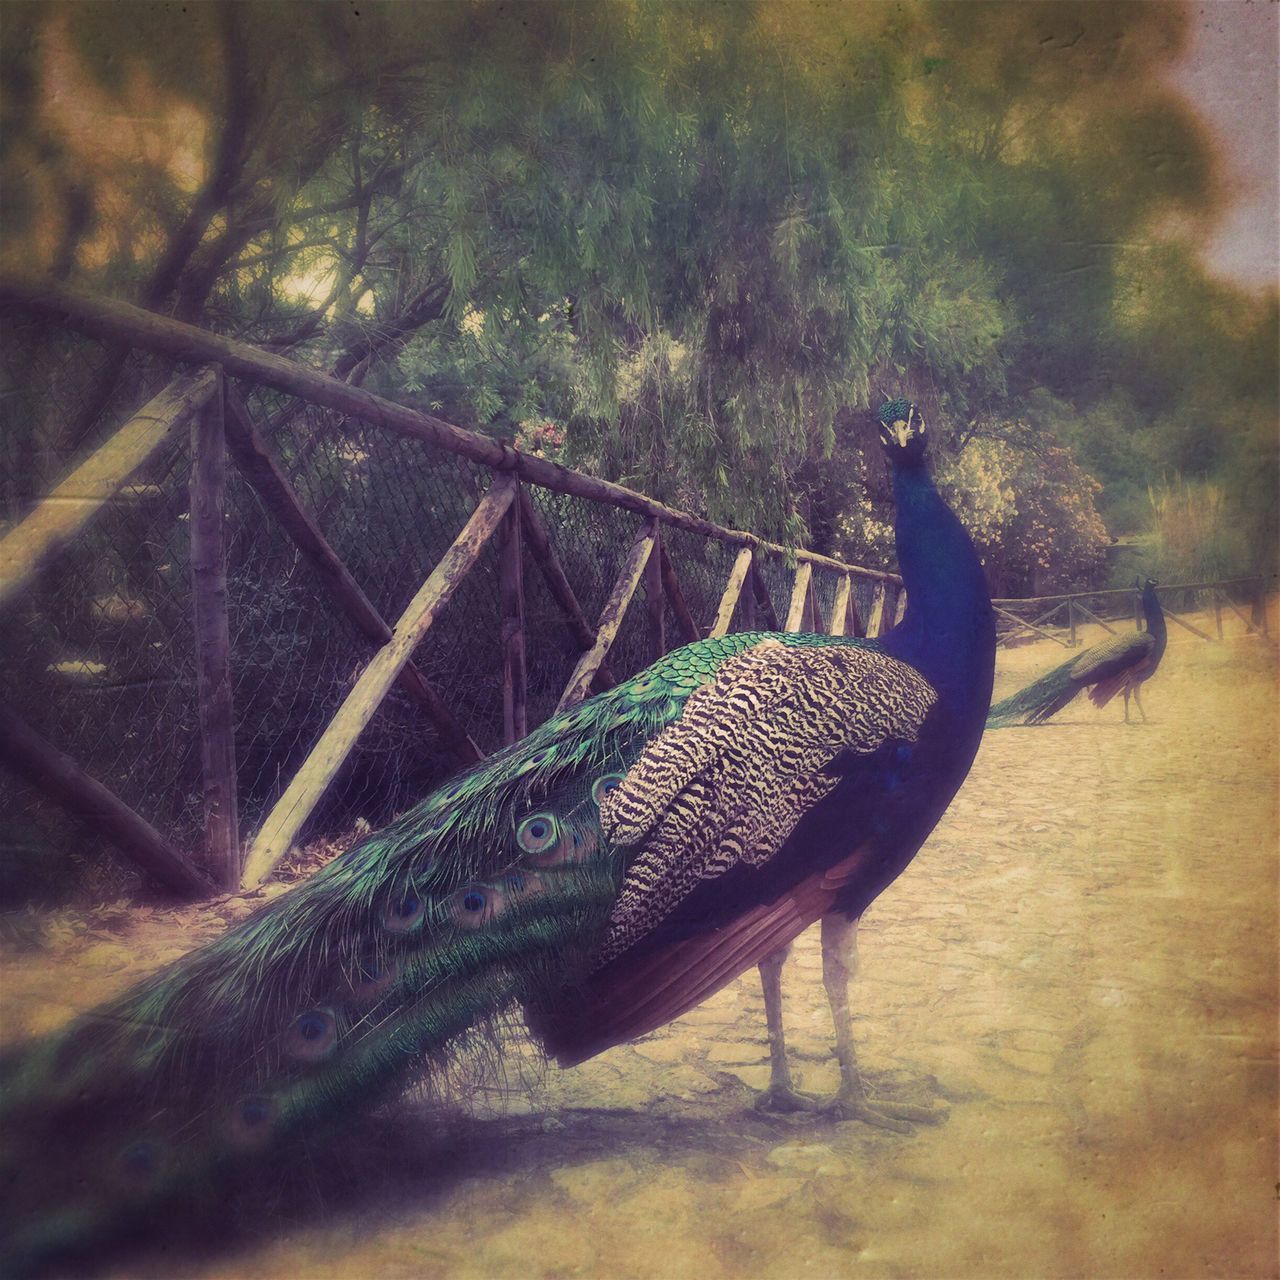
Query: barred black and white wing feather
x=727, y=783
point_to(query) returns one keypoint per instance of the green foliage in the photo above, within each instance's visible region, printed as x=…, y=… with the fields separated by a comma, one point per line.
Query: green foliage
x=688, y=234
x=1193, y=535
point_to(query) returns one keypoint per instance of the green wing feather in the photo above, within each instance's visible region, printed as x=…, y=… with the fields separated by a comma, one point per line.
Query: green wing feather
x=1115, y=654
x=494, y=891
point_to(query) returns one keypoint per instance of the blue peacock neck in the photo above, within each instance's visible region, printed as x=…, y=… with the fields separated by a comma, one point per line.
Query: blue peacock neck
x=948, y=631
x=1156, y=624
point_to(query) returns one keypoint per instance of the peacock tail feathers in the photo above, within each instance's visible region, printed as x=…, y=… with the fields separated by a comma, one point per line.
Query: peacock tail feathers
x=1099, y=665
x=495, y=892
x=1037, y=701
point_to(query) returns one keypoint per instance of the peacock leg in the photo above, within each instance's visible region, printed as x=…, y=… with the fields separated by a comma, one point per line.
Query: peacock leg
x=839, y=965
x=781, y=1094
x=1137, y=697
x=1126, y=704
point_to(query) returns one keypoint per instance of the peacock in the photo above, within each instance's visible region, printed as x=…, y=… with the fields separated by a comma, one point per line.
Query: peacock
x=599, y=878
x=1120, y=664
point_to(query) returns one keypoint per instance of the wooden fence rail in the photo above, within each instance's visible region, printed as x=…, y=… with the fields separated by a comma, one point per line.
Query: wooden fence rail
x=147, y=331
x=222, y=429
x=1074, y=609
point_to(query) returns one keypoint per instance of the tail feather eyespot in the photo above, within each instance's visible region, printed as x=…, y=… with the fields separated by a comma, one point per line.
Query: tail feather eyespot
x=604, y=784
x=313, y=1036
x=537, y=760
x=250, y=1121
x=545, y=840
x=518, y=886
x=140, y=1163
x=538, y=833
x=404, y=912
x=371, y=976
x=477, y=905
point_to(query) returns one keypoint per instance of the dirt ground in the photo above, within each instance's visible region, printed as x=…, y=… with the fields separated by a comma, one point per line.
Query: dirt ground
x=1079, y=967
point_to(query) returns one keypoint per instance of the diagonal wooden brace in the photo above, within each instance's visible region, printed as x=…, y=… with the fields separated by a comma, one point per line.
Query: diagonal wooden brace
x=311, y=781
x=611, y=616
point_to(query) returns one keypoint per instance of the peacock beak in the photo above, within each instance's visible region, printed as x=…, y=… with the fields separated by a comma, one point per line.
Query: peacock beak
x=902, y=432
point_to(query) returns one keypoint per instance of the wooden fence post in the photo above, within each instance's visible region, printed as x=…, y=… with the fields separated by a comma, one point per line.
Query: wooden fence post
x=854, y=626
x=264, y=476
x=515, y=698
x=655, y=599
x=679, y=608
x=799, y=597
x=876, y=619
x=840, y=607
x=544, y=556
x=216, y=713
x=760, y=590
x=1216, y=597
x=732, y=590
x=900, y=609
x=1073, y=642
x=611, y=615
x=812, y=609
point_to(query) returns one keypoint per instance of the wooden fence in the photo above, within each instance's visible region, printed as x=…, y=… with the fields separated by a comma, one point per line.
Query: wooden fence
x=1060, y=622
x=209, y=405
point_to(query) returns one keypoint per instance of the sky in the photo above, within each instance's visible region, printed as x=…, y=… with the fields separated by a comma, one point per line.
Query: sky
x=1230, y=72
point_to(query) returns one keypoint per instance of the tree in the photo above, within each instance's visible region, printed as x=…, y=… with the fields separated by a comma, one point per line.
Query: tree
x=688, y=234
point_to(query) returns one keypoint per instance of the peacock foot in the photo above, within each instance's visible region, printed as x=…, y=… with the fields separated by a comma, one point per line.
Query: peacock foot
x=784, y=1100
x=882, y=1113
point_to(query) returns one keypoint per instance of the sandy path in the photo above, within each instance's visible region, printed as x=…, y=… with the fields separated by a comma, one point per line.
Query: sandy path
x=1081, y=962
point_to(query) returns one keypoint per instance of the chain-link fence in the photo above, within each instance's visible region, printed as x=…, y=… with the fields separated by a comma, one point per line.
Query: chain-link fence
x=98, y=647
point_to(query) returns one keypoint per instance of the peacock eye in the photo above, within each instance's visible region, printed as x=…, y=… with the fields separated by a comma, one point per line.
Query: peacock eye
x=254, y=1112
x=249, y=1121
x=604, y=786
x=140, y=1160
x=404, y=912
x=311, y=1026
x=538, y=833
x=477, y=905
x=312, y=1036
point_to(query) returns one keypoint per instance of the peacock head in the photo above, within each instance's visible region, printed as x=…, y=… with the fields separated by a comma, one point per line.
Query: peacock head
x=902, y=431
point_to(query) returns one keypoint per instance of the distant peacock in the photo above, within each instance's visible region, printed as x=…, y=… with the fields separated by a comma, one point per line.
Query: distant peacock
x=606, y=874
x=1120, y=664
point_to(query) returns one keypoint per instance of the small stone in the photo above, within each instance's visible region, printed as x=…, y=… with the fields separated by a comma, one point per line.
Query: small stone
x=664, y=1051
x=806, y=1157
x=736, y=1054
x=1024, y=1060
x=753, y=1077
x=106, y=956
x=596, y=1182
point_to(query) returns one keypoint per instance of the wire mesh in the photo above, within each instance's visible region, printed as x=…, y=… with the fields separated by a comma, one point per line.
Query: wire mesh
x=98, y=651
